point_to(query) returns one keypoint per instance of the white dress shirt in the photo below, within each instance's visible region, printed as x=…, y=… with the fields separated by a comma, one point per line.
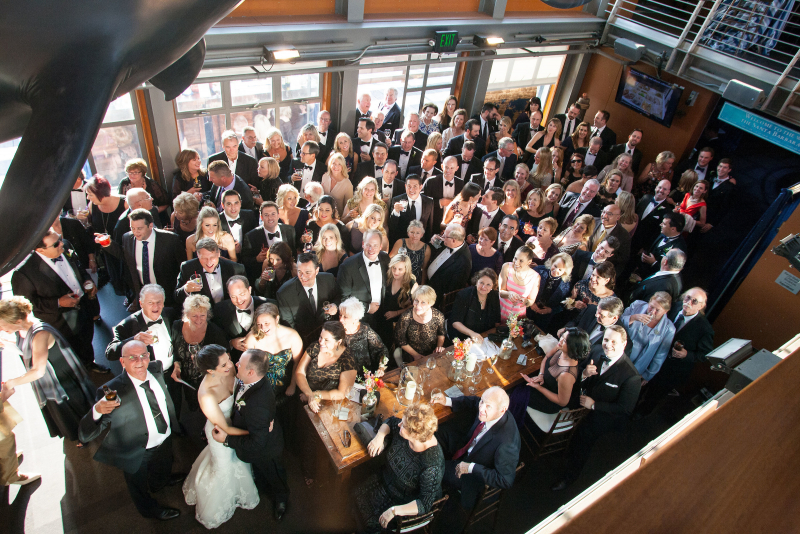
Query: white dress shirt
x=275, y=239
x=375, y=279
x=244, y=387
x=236, y=229
x=214, y=280
x=448, y=191
x=440, y=259
x=403, y=163
x=607, y=365
x=323, y=137
x=308, y=175
x=589, y=158
x=162, y=349
x=64, y=271
x=246, y=319
x=250, y=151
x=232, y=164
x=315, y=293
x=650, y=207
x=151, y=248
x=686, y=319
x=701, y=172
x=464, y=167
x=78, y=198
x=719, y=181
x=487, y=218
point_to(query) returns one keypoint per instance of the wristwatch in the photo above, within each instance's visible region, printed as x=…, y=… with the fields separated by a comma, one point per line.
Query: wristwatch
x=225, y=443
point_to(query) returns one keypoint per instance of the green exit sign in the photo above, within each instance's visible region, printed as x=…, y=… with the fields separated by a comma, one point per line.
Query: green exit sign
x=446, y=41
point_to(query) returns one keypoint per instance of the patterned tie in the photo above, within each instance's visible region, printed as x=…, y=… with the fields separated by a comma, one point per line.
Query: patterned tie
x=460, y=452
x=145, y=263
x=312, y=301
x=572, y=214
x=599, y=239
x=161, y=423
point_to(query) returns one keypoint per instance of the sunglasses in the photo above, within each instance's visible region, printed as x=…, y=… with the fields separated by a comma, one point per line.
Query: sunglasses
x=576, y=161
x=54, y=245
x=692, y=301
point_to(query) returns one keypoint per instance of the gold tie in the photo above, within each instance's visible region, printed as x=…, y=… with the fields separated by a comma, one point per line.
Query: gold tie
x=599, y=239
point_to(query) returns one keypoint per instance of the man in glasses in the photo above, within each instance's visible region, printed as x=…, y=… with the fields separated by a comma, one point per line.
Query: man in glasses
x=141, y=419
x=307, y=168
x=53, y=281
x=694, y=339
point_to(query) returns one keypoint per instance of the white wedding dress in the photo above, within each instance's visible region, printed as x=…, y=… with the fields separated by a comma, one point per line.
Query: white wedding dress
x=219, y=481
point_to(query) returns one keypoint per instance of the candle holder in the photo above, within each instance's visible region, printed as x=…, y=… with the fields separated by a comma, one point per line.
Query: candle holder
x=409, y=378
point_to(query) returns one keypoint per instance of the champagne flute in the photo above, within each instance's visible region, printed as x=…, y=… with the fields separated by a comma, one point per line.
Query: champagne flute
x=491, y=360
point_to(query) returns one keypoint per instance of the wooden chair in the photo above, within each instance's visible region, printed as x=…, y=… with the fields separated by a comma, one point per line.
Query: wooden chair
x=489, y=503
x=447, y=302
x=558, y=437
x=423, y=521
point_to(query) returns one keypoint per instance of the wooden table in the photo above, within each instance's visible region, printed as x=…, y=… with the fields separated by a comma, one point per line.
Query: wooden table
x=506, y=375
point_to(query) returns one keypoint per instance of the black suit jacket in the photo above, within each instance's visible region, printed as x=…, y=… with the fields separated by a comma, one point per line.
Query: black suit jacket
x=248, y=220
x=434, y=188
x=480, y=179
x=453, y=274
x=671, y=283
x=259, y=148
x=255, y=411
x=508, y=167
x=398, y=225
x=495, y=455
x=719, y=201
x=697, y=337
x=587, y=321
x=616, y=150
x=330, y=139
x=255, y=240
x=225, y=318
x=414, y=159
x=364, y=169
x=580, y=261
x=649, y=227
x=567, y=204
x=420, y=139
x=522, y=135
x=600, y=161
x=296, y=309
x=168, y=255
x=623, y=253
x=456, y=143
x=241, y=187
x=393, y=118
x=474, y=166
x=398, y=188
x=609, y=138
x=615, y=392
x=129, y=327
x=228, y=268
x=246, y=166
x=353, y=279
x=473, y=226
x=80, y=239
x=124, y=224
x=320, y=168
x=511, y=249
x=125, y=444
x=417, y=169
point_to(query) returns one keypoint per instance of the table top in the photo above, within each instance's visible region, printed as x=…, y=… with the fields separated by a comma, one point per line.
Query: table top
x=506, y=375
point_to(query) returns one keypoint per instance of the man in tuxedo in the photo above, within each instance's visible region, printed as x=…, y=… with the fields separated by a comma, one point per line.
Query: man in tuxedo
x=363, y=142
x=52, y=280
x=406, y=154
x=300, y=300
x=667, y=278
x=363, y=276
x=236, y=315
x=362, y=110
x=152, y=256
x=379, y=135
x=258, y=240
x=373, y=168
x=467, y=163
x=602, y=131
x=450, y=269
x=701, y=165
x=235, y=220
x=471, y=133
x=140, y=421
x=574, y=204
x=327, y=136
x=651, y=210
x=427, y=168
x=412, y=125
x=569, y=121
x=485, y=454
x=629, y=148
x=223, y=179
x=490, y=178
x=239, y=163
x=214, y=273
x=584, y=261
x=486, y=214
x=695, y=333
x=442, y=188
x=419, y=207
x=309, y=168
x=391, y=111
x=389, y=185
x=150, y=325
x=250, y=144
x=484, y=118
x=720, y=198
x=136, y=197
x=612, y=385
x=524, y=131
x=593, y=155
x=608, y=225
x=670, y=238
x=594, y=319
x=507, y=240
x=506, y=157
x=262, y=446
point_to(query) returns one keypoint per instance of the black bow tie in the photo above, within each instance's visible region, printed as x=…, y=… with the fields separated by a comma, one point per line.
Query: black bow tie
x=273, y=236
x=699, y=168
x=404, y=153
x=387, y=186
x=450, y=249
x=242, y=311
x=374, y=263
x=56, y=260
x=148, y=324
x=449, y=184
x=235, y=221
x=309, y=167
x=378, y=168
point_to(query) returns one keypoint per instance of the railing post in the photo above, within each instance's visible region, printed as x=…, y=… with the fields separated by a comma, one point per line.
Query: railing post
x=699, y=36
x=782, y=77
x=611, y=17
x=684, y=33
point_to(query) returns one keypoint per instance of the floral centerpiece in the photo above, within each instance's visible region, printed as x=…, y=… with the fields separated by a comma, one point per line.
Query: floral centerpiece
x=460, y=351
x=514, y=330
x=372, y=382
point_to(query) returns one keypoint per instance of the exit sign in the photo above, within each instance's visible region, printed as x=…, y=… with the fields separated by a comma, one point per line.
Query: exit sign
x=446, y=41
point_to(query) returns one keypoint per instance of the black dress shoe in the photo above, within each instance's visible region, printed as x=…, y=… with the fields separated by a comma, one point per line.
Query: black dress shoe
x=165, y=514
x=280, y=510
x=176, y=478
x=560, y=485
x=98, y=368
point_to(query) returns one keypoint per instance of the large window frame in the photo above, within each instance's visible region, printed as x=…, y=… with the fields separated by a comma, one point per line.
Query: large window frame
x=136, y=121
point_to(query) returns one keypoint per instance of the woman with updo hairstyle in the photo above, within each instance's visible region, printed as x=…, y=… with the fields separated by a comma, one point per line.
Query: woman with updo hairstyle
x=287, y=199
x=365, y=345
x=282, y=345
x=62, y=387
x=185, y=209
x=460, y=208
x=189, y=177
x=519, y=284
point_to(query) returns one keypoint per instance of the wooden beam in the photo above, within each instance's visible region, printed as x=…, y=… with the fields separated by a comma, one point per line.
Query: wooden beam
x=147, y=133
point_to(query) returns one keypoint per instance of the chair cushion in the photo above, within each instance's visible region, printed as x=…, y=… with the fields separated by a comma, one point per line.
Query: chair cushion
x=545, y=421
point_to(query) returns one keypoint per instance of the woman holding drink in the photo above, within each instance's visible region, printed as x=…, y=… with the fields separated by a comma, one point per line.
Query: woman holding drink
x=276, y=270
x=326, y=214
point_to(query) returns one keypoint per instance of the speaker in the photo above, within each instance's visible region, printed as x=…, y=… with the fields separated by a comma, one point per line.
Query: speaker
x=743, y=94
x=750, y=369
x=628, y=49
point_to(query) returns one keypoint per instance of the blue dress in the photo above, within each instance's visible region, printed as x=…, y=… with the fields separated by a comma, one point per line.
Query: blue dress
x=481, y=262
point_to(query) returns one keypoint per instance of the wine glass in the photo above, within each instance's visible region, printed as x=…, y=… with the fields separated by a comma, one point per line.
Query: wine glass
x=475, y=378
x=491, y=360
x=434, y=392
x=431, y=363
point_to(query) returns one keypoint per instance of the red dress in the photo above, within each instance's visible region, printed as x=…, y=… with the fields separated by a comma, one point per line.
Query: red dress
x=694, y=210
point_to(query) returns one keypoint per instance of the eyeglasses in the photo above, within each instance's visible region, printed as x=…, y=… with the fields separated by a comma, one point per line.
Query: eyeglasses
x=576, y=161
x=692, y=301
x=139, y=357
x=54, y=245
x=129, y=173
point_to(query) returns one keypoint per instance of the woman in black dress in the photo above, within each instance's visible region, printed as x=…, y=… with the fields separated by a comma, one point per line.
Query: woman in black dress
x=420, y=331
x=61, y=385
x=553, y=289
x=476, y=309
x=365, y=345
x=411, y=481
x=326, y=214
x=330, y=249
x=104, y=211
x=400, y=283
x=283, y=268
x=327, y=370
x=189, y=177
x=270, y=173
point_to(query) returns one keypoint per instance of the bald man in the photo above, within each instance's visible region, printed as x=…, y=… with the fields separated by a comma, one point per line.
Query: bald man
x=487, y=453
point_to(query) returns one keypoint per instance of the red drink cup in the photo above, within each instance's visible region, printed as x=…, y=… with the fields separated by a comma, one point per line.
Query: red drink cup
x=104, y=240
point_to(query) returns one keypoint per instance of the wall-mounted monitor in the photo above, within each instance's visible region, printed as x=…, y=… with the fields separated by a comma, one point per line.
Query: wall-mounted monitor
x=653, y=98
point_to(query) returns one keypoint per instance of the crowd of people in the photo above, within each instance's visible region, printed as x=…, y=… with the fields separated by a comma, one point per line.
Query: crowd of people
x=280, y=274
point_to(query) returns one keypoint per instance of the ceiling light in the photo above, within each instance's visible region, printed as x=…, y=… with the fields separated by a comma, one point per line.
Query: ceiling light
x=283, y=53
x=482, y=40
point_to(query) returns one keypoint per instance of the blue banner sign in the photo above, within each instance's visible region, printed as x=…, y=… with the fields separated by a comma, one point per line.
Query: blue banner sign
x=761, y=127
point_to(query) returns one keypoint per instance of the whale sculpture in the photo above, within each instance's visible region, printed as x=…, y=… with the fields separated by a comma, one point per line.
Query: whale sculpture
x=61, y=64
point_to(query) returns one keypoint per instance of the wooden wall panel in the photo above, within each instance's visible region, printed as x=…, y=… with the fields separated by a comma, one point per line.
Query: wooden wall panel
x=373, y=7
x=533, y=5
x=735, y=472
x=283, y=8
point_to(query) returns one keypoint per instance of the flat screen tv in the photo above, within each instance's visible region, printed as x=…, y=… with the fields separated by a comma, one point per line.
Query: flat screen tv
x=653, y=98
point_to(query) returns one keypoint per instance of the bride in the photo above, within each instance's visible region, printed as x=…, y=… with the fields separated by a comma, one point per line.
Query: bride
x=219, y=482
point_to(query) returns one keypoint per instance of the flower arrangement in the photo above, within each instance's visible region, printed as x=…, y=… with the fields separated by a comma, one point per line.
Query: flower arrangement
x=371, y=381
x=461, y=348
x=514, y=328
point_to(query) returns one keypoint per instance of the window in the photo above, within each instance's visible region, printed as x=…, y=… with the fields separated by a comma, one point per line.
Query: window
x=285, y=101
x=118, y=140
x=7, y=151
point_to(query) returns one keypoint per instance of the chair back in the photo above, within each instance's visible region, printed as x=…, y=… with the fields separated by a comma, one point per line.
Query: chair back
x=489, y=503
x=421, y=521
x=447, y=302
x=558, y=437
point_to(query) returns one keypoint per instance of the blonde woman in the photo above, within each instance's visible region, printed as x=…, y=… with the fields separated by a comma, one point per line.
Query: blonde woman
x=372, y=219
x=660, y=169
x=513, y=197
x=365, y=195
x=557, y=158
x=330, y=249
x=269, y=170
x=336, y=182
x=621, y=163
x=435, y=142
x=400, y=283
x=208, y=225
x=575, y=237
x=531, y=213
x=522, y=175
x=185, y=209
x=288, y=211
x=456, y=126
x=420, y=331
x=279, y=150
x=542, y=172
x=415, y=248
x=627, y=205
x=519, y=283
x=550, y=137
x=552, y=196
x=307, y=133
x=503, y=130
x=344, y=145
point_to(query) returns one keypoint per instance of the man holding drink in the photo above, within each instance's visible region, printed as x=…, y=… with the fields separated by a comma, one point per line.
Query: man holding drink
x=307, y=168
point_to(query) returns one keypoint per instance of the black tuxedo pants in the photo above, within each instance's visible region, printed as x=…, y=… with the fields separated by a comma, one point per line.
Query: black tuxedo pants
x=81, y=338
x=589, y=431
x=270, y=477
x=153, y=474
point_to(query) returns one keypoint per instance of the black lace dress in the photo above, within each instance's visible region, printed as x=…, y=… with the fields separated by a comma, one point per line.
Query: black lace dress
x=423, y=338
x=327, y=378
x=408, y=476
x=366, y=348
x=417, y=258
x=552, y=371
x=183, y=354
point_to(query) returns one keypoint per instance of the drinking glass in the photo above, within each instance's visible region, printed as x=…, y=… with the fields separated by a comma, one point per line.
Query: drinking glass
x=196, y=279
x=403, y=251
x=490, y=361
x=434, y=392
x=404, y=203
x=88, y=286
x=326, y=306
x=155, y=336
x=431, y=364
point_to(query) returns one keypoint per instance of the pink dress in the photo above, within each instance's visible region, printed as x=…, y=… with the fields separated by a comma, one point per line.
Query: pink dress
x=508, y=308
